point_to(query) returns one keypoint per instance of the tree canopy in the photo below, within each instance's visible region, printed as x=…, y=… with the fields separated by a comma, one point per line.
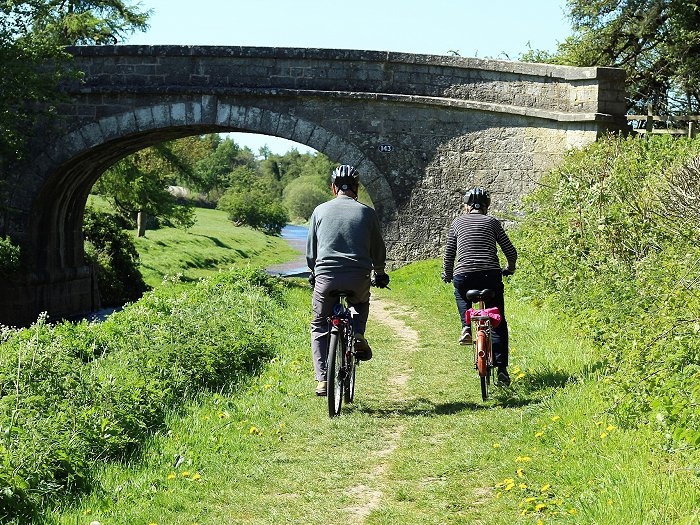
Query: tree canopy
x=657, y=43
x=33, y=35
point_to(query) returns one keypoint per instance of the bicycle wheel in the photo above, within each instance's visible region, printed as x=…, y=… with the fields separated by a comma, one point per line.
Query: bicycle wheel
x=335, y=374
x=482, y=364
x=350, y=379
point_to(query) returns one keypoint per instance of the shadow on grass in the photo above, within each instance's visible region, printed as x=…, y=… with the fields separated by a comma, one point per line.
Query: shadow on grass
x=420, y=407
x=217, y=242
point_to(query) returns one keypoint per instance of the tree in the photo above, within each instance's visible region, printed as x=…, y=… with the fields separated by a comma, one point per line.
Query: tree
x=302, y=195
x=137, y=186
x=657, y=42
x=33, y=35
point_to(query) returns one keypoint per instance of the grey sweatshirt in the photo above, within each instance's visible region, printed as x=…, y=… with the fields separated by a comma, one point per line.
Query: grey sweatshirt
x=344, y=236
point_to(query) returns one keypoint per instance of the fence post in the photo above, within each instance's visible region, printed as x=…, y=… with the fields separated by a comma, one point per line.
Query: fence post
x=650, y=119
x=691, y=129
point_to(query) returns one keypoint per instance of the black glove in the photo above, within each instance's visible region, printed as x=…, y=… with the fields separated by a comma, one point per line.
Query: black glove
x=445, y=278
x=507, y=271
x=381, y=280
x=312, y=279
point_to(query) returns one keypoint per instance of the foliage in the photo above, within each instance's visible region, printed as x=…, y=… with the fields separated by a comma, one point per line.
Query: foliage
x=113, y=254
x=602, y=241
x=33, y=34
x=71, y=394
x=253, y=208
x=9, y=256
x=139, y=184
x=303, y=194
x=657, y=42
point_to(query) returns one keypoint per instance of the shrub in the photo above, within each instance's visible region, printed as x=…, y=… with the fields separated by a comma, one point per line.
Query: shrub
x=254, y=209
x=113, y=254
x=9, y=256
x=608, y=240
x=71, y=394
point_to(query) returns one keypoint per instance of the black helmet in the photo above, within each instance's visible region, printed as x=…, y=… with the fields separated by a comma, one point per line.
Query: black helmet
x=477, y=198
x=345, y=177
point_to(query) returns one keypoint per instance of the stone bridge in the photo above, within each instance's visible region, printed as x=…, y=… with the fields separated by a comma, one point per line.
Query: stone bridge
x=420, y=128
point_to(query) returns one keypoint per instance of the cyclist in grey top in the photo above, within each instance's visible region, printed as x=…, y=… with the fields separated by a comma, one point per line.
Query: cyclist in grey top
x=343, y=246
x=471, y=263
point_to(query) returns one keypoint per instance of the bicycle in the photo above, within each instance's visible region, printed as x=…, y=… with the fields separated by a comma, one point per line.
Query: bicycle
x=342, y=361
x=482, y=321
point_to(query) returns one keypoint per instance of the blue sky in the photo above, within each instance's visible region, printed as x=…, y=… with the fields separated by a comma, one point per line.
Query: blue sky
x=500, y=29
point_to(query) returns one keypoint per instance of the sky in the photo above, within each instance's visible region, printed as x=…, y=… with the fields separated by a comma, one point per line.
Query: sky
x=498, y=29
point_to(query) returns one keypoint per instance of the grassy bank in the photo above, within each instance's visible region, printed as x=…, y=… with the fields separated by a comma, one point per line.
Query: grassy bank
x=418, y=446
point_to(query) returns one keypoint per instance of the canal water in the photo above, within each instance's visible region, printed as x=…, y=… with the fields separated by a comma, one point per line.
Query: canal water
x=296, y=237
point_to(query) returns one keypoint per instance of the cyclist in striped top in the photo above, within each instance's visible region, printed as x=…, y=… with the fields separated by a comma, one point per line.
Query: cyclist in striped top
x=471, y=262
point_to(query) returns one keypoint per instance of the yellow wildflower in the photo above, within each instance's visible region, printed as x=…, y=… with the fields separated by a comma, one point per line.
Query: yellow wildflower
x=520, y=375
x=522, y=486
x=523, y=459
x=530, y=499
x=186, y=474
x=610, y=502
x=610, y=427
x=556, y=418
x=196, y=477
x=171, y=475
x=603, y=435
x=572, y=511
x=540, y=506
x=520, y=472
x=496, y=445
x=540, y=522
x=539, y=434
x=509, y=486
x=545, y=488
x=598, y=423
x=253, y=430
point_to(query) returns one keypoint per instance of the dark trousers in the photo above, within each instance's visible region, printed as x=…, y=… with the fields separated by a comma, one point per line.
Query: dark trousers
x=479, y=281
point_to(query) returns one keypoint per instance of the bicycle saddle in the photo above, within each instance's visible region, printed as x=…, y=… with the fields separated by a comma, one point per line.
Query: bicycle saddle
x=480, y=295
x=340, y=293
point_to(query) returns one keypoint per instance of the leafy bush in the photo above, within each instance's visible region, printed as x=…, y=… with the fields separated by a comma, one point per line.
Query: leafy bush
x=74, y=393
x=115, y=258
x=605, y=241
x=254, y=209
x=302, y=195
x=9, y=256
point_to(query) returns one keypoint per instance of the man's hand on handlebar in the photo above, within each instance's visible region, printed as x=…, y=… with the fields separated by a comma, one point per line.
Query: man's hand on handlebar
x=380, y=280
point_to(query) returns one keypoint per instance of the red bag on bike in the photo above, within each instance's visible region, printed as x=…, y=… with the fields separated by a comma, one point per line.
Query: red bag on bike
x=492, y=312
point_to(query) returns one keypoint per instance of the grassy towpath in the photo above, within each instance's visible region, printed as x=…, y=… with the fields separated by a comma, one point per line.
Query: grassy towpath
x=418, y=446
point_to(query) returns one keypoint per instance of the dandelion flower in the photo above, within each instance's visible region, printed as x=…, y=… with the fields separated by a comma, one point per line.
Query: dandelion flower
x=523, y=459
x=520, y=472
x=603, y=435
x=540, y=522
x=540, y=506
x=509, y=486
x=196, y=477
x=598, y=423
x=610, y=502
x=523, y=512
x=520, y=375
x=555, y=418
x=610, y=427
x=539, y=434
x=523, y=486
x=530, y=499
x=186, y=474
x=496, y=445
x=253, y=430
x=572, y=511
x=172, y=475
x=545, y=488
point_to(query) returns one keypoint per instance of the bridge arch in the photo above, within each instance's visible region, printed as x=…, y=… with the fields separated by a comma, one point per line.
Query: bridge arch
x=81, y=156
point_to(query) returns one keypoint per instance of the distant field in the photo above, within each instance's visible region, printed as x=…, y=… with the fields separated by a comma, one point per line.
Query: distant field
x=211, y=244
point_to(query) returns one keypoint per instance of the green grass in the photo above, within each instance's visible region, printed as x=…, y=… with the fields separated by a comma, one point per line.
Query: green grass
x=213, y=243
x=425, y=452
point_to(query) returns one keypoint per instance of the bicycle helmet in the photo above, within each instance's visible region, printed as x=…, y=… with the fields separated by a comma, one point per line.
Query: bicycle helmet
x=345, y=177
x=477, y=198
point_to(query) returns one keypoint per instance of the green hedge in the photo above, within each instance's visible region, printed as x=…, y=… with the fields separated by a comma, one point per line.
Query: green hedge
x=609, y=240
x=74, y=393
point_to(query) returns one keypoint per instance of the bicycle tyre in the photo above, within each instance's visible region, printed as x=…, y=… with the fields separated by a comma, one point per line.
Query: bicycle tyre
x=350, y=379
x=334, y=374
x=482, y=363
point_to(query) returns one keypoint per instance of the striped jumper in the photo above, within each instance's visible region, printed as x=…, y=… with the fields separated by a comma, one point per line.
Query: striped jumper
x=471, y=245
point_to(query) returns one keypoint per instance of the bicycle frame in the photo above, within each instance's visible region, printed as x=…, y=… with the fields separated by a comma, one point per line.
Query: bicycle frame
x=481, y=326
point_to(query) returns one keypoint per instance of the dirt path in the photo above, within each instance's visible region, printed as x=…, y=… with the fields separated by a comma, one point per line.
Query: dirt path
x=369, y=494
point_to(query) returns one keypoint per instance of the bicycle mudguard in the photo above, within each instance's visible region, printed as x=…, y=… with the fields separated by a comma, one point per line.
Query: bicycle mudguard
x=492, y=313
